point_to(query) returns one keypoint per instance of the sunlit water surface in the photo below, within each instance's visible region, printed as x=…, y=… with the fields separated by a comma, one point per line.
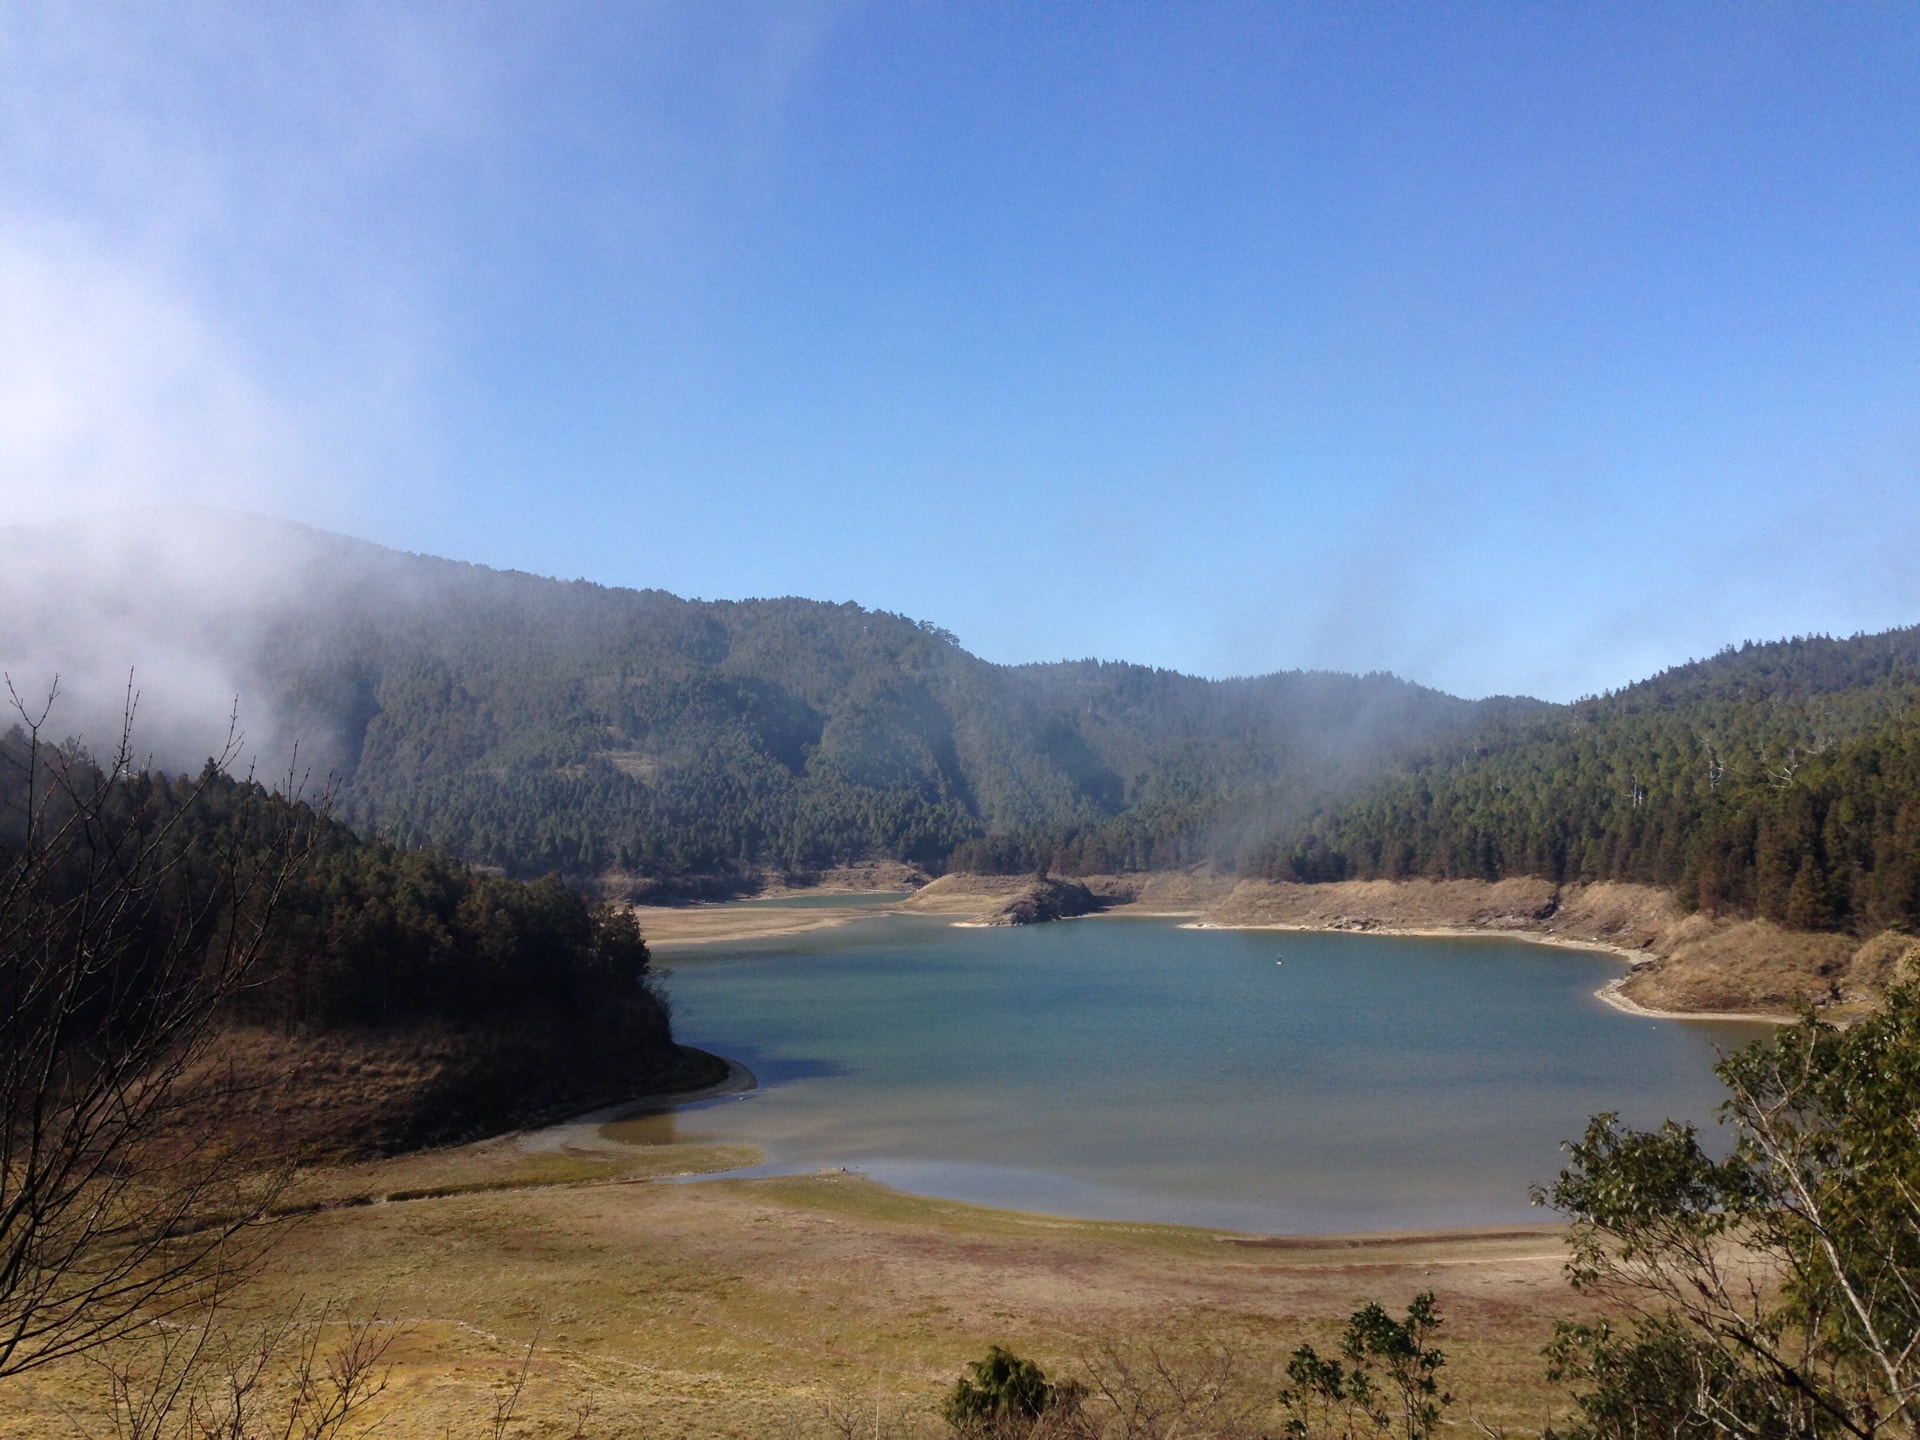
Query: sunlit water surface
x=1133, y=1069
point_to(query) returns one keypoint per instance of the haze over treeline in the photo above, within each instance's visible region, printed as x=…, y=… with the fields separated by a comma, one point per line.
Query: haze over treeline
x=633, y=739
x=537, y=725
x=1506, y=348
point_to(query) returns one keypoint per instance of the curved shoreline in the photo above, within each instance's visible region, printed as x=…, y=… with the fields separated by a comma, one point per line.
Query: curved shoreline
x=589, y=1133
x=1433, y=932
x=1611, y=994
x=583, y=1132
x=737, y=1080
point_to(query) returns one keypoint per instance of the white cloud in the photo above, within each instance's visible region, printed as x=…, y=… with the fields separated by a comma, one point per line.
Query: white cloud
x=206, y=294
x=113, y=393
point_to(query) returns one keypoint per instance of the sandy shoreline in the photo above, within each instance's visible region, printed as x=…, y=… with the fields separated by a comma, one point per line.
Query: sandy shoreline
x=1612, y=995
x=586, y=1135
x=1431, y=932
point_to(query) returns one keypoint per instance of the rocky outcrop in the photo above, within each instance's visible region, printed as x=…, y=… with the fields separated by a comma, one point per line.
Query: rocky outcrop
x=1008, y=899
x=1044, y=900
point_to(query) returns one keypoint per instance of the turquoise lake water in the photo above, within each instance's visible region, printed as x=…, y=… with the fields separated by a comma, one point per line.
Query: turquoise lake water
x=1133, y=1069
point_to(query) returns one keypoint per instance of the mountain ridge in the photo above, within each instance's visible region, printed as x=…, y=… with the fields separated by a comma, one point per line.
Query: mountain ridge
x=537, y=724
x=632, y=738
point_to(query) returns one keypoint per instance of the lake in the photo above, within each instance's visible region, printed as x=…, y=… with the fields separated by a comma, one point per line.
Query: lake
x=1134, y=1069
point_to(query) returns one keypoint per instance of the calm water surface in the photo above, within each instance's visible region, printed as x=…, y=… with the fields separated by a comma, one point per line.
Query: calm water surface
x=1129, y=1068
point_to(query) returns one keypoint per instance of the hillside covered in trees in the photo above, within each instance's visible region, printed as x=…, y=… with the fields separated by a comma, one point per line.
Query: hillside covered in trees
x=519, y=997
x=536, y=725
x=1779, y=780
x=638, y=740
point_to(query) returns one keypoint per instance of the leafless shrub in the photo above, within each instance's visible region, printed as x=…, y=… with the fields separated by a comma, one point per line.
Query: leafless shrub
x=508, y=1400
x=122, y=937
x=1161, y=1390
x=283, y=1377
x=855, y=1414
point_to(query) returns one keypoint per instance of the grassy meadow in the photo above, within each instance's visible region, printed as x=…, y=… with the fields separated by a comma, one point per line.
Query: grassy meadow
x=821, y=1304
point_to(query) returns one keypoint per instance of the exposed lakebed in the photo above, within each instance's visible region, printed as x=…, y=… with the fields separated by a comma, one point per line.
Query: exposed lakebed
x=1134, y=1069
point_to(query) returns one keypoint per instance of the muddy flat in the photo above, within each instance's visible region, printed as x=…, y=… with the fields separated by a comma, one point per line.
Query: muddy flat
x=705, y=924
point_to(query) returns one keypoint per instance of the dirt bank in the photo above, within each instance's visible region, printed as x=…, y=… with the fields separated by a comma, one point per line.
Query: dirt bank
x=865, y=878
x=1707, y=965
x=352, y=1094
x=708, y=920
x=1684, y=964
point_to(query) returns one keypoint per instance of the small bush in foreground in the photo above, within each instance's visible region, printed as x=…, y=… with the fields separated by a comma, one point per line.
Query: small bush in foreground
x=1005, y=1395
x=1386, y=1381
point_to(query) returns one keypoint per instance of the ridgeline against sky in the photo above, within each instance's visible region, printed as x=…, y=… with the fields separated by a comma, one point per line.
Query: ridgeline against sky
x=637, y=741
x=1509, y=348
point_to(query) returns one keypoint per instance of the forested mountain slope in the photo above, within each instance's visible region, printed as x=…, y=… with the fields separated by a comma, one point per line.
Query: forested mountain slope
x=542, y=725
x=415, y=997
x=1781, y=780
x=539, y=725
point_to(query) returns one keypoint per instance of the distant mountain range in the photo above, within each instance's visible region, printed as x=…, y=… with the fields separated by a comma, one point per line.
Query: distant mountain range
x=635, y=737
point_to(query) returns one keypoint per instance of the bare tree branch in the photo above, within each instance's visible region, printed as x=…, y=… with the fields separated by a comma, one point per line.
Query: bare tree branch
x=126, y=929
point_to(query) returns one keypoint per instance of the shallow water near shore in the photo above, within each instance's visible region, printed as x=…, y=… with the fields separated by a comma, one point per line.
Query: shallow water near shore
x=1132, y=1069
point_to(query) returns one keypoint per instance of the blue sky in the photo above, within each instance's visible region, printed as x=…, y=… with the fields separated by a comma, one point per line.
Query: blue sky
x=1510, y=348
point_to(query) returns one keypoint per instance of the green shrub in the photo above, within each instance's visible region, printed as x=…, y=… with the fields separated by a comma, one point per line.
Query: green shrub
x=1003, y=1393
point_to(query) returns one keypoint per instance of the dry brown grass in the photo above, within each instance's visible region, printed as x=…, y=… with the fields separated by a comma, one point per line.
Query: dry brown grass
x=1175, y=892
x=1630, y=917
x=770, y=1307
x=829, y=1306
x=969, y=896
x=861, y=878
x=1755, y=965
x=1389, y=905
x=669, y=925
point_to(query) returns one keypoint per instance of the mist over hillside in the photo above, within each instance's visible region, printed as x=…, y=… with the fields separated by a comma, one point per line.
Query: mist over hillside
x=538, y=724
